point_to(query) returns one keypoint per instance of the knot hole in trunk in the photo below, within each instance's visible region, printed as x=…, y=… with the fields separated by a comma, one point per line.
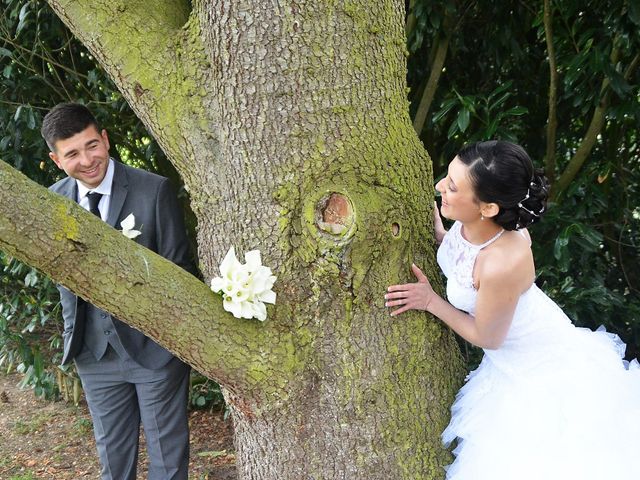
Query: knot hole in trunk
x=335, y=215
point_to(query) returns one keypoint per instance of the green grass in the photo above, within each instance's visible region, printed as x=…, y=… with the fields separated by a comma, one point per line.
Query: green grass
x=82, y=427
x=33, y=425
x=23, y=476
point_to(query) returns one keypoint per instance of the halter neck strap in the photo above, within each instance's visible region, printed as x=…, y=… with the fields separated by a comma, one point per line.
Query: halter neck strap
x=482, y=245
x=492, y=239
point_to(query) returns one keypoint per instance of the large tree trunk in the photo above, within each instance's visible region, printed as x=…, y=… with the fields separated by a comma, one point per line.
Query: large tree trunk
x=288, y=122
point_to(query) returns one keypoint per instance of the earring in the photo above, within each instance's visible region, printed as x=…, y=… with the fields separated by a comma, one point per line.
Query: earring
x=481, y=217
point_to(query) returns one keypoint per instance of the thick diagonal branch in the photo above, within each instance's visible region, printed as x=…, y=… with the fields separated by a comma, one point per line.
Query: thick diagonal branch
x=133, y=283
x=595, y=127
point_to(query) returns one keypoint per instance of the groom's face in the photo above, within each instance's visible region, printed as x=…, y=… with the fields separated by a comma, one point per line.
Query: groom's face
x=84, y=156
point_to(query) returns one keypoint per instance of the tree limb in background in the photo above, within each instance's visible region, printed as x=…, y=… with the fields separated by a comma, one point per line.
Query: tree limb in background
x=442, y=48
x=432, y=83
x=552, y=121
x=595, y=127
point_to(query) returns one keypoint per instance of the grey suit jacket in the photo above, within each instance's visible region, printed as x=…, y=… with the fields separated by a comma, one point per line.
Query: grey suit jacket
x=155, y=206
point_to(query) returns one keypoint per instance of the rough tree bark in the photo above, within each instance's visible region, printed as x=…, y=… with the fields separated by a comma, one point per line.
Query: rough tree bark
x=288, y=123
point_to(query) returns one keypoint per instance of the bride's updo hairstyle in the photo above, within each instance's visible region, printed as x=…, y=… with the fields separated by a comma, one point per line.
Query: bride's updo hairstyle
x=502, y=173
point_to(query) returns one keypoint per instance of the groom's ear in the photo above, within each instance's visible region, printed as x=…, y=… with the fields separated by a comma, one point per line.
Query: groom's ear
x=489, y=210
x=54, y=156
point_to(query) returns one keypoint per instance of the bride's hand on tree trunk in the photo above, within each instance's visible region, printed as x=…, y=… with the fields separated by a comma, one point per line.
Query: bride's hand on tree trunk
x=410, y=296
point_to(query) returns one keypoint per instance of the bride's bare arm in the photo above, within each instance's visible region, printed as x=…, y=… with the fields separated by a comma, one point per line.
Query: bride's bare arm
x=498, y=293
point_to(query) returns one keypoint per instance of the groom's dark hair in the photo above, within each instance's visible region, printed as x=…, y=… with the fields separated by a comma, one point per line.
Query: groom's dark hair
x=64, y=121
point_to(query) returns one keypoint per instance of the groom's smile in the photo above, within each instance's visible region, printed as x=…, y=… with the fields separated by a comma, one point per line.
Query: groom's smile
x=84, y=156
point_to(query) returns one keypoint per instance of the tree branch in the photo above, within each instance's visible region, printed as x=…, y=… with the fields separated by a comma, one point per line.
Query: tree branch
x=410, y=23
x=552, y=121
x=594, y=129
x=162, y=68
x=434, y=75
x=432, y=83
x=138, y=286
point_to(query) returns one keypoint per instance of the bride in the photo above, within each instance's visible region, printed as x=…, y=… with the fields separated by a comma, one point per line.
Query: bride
x=549, y=400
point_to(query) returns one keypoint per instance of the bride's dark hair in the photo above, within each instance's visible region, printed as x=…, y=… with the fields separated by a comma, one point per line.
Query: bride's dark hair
x=502, y=173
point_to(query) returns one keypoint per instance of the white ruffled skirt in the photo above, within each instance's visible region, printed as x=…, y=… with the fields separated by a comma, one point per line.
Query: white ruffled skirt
x=566, y=407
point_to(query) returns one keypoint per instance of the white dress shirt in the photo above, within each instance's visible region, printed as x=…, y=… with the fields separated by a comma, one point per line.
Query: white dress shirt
x=104, y=188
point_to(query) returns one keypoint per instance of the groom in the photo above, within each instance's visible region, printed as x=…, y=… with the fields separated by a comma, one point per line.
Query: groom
x=126, y=376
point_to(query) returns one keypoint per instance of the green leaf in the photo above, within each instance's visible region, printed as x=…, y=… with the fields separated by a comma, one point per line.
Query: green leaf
x=31, y=120
x=31, y=279
x=5, y=142
x=559, y=245
x=463, y=119
x=491, y=129
x=444, y=109
x=497, y=103
x=619, y=84
x=24, y=13
x=453, y=129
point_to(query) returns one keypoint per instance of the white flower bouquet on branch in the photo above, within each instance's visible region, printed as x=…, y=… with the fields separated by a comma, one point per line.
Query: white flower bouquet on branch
x=245, y=288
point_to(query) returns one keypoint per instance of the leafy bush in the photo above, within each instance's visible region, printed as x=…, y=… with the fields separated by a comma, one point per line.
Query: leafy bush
x=587, y=256
x=205, y=393
x=30, y=335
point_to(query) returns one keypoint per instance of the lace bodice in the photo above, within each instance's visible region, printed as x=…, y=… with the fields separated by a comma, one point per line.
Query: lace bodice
x=457, y=257
x=536, y=321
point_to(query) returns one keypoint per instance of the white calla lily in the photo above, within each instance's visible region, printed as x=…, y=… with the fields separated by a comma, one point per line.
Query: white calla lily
x=252, y=260
x=127, y=227
x=245, y=287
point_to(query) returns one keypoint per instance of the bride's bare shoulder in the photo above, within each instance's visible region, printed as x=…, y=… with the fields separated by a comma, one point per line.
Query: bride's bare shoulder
x=510, y=257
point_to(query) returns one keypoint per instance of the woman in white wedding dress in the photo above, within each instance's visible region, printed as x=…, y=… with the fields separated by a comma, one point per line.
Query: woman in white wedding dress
x=549, y=400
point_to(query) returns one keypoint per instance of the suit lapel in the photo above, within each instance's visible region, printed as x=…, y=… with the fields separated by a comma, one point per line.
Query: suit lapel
x=69, y=189
x=118, y=193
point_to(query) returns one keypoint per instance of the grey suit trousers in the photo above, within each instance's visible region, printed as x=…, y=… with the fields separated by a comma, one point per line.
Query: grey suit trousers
x=121, y=393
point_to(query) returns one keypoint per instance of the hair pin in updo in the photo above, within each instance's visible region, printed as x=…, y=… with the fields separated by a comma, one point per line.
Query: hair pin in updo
x=526, y=197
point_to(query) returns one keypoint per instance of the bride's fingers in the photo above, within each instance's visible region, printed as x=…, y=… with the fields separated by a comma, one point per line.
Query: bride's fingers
x=396, y=288
x=400, y=310
x=395, y=303
x=418, y=273
x=398, y=294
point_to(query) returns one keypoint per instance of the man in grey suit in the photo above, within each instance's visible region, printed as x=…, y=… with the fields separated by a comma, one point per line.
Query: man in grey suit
x=126, y=376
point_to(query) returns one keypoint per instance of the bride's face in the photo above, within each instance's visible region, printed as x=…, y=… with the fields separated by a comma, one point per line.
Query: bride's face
x=458, y=199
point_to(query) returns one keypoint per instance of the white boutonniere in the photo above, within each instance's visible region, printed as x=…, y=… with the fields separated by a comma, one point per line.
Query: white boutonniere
x=245, y=288
x=127, y=227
